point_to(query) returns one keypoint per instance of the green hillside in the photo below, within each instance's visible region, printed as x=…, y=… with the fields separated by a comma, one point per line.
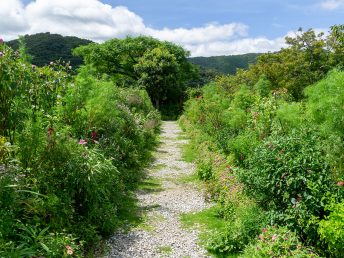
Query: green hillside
x=46, y=47
x=226, y=64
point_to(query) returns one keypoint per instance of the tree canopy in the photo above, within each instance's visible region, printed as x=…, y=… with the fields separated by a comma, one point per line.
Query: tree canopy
x=161, y=67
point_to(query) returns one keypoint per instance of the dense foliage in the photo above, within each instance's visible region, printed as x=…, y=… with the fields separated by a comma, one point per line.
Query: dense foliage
x=162, y=68
x=71, y=148
x=45, y=48
x=225, y=64
x=270, y=145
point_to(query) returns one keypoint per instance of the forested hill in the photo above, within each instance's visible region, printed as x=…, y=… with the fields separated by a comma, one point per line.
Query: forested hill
x=46, y=47
x=225, y=64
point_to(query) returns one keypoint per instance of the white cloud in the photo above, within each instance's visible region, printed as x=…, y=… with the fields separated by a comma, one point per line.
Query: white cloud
x=332, y=4
x=97, y=21
x=199, y=35
x=12, y=20
x=241, y=46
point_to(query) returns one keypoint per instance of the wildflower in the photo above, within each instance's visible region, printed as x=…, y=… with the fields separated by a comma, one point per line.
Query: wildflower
x=82, y=142
x=273, y=238
x=70, y=67
x=69, y=250
x=264, y=230
x=1, y=54
x=94, y=135
x=50, y=133
x=340, y=183
x=51, y=63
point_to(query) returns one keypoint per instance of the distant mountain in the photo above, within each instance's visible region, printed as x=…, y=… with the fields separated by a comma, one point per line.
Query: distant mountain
x=225, y=64
x=46, y=47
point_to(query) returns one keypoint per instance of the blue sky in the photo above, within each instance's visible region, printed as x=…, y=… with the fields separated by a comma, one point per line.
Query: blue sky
x=271, y=18
x=204, y=27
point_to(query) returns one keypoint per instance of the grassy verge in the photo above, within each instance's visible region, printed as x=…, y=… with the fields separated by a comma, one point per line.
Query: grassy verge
x=208, y=222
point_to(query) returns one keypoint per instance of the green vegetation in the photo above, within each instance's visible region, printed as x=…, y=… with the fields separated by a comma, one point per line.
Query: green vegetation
x=159, y=67
x=267, y=142
x=165, y=249
x=269, y=145
x=225, y=64
x=45, y=48
x=208, y=221
x=72, y=149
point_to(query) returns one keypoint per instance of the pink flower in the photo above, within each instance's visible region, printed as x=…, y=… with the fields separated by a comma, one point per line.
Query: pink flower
x=69, y=250
x=340, y=183
x=274, y=237
x=264, y=230
x=82, y=142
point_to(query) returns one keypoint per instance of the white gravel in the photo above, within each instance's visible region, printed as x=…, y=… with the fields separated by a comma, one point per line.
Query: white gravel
x=163, y=234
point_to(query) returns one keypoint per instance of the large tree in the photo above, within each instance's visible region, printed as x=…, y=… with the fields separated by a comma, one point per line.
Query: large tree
x=159, y=66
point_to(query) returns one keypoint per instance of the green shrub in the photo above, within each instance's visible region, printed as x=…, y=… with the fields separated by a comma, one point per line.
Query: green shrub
x=263, y=86
x=277, y=242
x=331, y=230
x=325, y=108
x=8, y=205
x=70, y=148
x=241, y=229
x=288, y=175
x=81, y=185
x=204, y=170
x=49, y=245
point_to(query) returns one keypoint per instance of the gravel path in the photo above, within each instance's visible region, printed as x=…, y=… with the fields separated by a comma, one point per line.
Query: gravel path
x=163, y=234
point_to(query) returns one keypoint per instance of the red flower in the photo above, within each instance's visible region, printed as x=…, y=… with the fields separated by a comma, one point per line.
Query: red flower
x=93, y=135
x=50, y=131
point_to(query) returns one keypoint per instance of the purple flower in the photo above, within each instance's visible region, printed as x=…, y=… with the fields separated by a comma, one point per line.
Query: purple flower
x=82, y=142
